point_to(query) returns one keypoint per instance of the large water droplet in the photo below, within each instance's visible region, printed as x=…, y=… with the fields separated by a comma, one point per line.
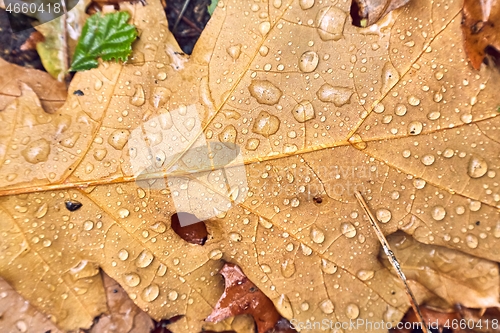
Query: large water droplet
x=228, y=134
x=413, y=100
x=415, y=128
x=303, y=111
x=252, y=144
x=328, y=267
x=21, y=326
x=477, y=167
x=284, y=306
x=266, y=124
x=234, y=51
x=308, y=61
x=215, y=254
x=173, y=295
x=352, y=311
x=144, y=259
x=365, y=275
x=336, y=95
x=70, y=141
x=151, y=292
x=357, y=142
x=159, y=227
x=42, y=210
x=37, y=151
x=326, y=306
x=471, y=241
x=317, y=235
x=118, y=139
x=496, y=231
x=330, y=23
x=265, y=92
x=123, y=254
x=419, y=183
x=438, y=213
x=306, y=250
x=160, y=96
x=100, y=154
x=235, y=237
x=162, y=270
x=132, y=279
x=306, y=4
x=138, y=98
x=287, y=268
x=400, y=110
x=123, y=213
x=383, y=215
x=348, y=229
x=88, y=225
x=428, y=160
x=264, y=27
x=265, y=223
x=390, y=76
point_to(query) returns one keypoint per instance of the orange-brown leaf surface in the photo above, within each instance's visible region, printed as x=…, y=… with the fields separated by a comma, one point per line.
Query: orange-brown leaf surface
x=283, y=110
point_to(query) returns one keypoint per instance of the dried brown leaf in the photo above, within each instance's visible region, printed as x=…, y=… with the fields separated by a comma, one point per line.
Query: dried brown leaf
x=480, y=29
x=52, y=94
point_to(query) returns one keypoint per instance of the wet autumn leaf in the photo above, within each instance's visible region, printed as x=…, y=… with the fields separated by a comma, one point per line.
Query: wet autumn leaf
x=265, y=132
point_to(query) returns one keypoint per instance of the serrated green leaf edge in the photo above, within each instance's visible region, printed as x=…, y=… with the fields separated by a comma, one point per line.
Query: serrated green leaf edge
x=212, y=6
x=108, y=37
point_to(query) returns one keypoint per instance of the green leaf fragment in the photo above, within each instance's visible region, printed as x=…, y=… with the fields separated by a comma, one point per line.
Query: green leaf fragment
x=212, y=6
x=108, y=37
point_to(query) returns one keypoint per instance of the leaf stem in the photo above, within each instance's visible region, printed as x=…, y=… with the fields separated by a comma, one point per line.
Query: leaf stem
x=392, y=258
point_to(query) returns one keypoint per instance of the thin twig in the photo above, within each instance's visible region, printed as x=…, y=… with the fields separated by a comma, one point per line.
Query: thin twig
x=181, y=14
x=392, y=258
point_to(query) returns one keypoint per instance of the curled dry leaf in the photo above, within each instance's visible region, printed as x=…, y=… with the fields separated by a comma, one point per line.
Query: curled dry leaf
x=367, y=12
x=241, y=296
x=394, y=113
x=455, y=277
x=480, y=29
x=50, y=93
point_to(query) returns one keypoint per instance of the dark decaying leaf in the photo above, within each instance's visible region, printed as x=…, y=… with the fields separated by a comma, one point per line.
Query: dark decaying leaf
x=241, y=296
x=368, y=12
x=194, y=231
x=481, y=30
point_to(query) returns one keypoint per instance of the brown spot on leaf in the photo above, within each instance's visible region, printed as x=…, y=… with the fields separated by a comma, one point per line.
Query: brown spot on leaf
x=189, y=228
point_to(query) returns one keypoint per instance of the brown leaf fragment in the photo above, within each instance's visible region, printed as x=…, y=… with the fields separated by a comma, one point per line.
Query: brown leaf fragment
x=189, y=228
x=34, y=38
x=242, y=296
x=18, y=315
x=480, y=316
x=436, y=320
x=368, y=12
x=52, y=94
x=481, y=31
x=124, y=316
